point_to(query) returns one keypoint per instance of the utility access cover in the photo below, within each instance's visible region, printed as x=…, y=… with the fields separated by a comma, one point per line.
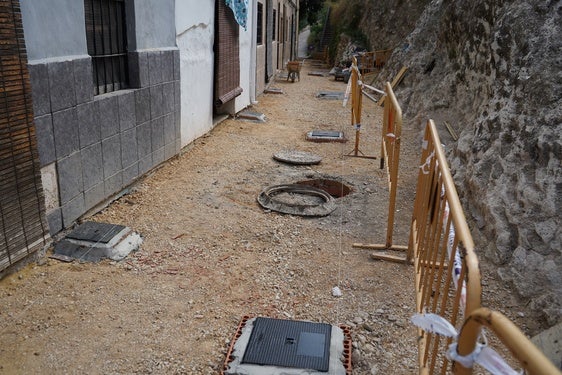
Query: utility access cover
x=325, y=136
x=288, y=343
x=95, y=232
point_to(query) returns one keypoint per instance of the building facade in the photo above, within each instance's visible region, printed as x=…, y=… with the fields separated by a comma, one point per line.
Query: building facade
x=117, y=87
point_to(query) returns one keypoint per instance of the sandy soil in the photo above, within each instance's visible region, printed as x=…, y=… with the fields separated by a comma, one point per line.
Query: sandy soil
x=212, y=255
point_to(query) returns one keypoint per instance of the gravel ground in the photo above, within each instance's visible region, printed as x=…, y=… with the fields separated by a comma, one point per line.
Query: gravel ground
x=212, y=255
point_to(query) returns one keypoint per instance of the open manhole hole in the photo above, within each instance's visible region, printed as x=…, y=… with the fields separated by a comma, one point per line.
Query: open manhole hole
x=297, y=199
x=336, y=189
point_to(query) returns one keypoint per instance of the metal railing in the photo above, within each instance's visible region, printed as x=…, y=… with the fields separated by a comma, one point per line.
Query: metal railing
x=521, y=348
x=447, y=276
x=390, y=158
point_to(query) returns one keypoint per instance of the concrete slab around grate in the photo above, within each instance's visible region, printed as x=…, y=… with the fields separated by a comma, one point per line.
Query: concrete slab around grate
x=94, y=241
x=330, y=95
x=318, y=73
x=325, y=136
x=251, y=116
x=237, y=367
x=273, y=90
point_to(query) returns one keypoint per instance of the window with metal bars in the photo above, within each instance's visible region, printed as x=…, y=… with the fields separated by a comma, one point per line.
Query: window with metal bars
x=107, y=44
x=259, y=29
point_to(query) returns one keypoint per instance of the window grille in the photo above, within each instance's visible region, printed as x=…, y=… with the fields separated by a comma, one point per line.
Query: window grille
x=274, y=24
x=259, y=39
x=107, y=44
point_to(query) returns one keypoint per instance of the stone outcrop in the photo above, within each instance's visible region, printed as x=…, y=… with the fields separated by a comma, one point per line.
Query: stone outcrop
x=493, y=70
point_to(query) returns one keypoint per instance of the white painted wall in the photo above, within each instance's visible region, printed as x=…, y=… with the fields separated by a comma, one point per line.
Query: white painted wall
x=247, y=62
x=194, y=38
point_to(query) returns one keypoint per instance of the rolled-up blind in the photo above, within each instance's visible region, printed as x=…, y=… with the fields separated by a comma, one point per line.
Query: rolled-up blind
x=227, y=55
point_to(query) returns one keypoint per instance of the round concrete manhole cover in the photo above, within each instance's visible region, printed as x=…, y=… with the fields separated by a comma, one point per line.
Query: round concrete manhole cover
x=295, y=199
x=297, y=157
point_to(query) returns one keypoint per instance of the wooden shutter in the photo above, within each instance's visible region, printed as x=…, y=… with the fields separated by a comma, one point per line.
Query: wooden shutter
x=22, y=210
x=227, y=55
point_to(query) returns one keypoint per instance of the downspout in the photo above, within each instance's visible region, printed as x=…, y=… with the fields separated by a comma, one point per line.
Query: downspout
x=253, y=52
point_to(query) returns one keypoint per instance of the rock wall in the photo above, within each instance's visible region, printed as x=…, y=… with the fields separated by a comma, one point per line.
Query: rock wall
x=493, y=70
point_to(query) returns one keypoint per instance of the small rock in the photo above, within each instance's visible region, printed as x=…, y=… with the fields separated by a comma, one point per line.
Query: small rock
x=336, y=291
x=392, y=318
x=356, y=356
x=367, y=327
x=369, y=348
x=357, y=320
x=361, y=339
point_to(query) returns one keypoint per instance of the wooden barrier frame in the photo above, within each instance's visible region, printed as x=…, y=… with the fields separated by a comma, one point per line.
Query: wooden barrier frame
x=447, y=276
x=356, y=108
x=522, y=349
x=390, y=152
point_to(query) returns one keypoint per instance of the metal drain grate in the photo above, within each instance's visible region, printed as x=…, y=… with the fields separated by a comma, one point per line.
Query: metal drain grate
x=330, y=95
x=325, y=136
x=95, y=232
x=288, y=343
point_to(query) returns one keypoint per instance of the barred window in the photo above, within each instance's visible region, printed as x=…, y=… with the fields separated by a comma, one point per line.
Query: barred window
x=259, y=30
x=107, y=44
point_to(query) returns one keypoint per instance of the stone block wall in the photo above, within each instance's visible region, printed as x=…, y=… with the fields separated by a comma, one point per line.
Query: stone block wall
x=100, y=144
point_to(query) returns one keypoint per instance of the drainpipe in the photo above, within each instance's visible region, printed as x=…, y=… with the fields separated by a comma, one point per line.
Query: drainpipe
x=253, y=52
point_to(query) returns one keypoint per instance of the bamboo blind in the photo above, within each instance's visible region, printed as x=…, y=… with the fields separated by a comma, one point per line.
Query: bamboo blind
x=22, y=212
x=227, y=56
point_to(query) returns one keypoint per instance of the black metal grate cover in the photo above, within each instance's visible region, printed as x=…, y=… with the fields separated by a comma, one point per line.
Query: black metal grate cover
x=95, y=232
x=289, y=343
x=326, y=133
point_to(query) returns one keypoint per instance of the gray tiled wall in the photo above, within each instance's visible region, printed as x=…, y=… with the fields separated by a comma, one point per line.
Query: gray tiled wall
x=101, y=144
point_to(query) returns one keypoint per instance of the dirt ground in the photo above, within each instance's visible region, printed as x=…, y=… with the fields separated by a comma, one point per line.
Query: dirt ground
x=212, y=255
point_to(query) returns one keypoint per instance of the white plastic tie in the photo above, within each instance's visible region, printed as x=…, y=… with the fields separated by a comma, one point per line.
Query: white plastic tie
x=468, y=360
x=485, y=357
x=482, y=354
x=347, y=93
x=391, y=135
x=425, y=166
x=434, y=323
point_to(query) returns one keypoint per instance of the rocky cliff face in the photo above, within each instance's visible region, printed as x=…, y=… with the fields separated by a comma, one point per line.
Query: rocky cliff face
x=493, y=70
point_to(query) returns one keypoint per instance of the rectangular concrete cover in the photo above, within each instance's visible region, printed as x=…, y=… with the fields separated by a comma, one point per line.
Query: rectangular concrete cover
x=289, y=343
